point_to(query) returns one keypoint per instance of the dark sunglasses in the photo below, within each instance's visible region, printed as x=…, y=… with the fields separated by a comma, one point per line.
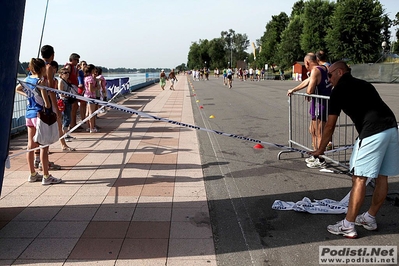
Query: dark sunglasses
x=65, y=72
x=329, y=74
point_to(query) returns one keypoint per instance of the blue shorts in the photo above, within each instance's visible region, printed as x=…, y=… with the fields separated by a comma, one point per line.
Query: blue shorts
x=376, y=155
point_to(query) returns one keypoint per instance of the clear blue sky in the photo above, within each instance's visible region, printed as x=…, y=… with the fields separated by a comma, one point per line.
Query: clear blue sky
x=143, y=34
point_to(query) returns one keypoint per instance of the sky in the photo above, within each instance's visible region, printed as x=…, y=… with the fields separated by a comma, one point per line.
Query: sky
x=143, y=33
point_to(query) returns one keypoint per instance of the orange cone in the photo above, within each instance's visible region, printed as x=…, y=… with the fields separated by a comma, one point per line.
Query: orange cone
x=201, y=107
x=258, y=146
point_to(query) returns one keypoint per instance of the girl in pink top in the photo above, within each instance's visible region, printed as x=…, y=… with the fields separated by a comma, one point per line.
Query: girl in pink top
x=90, y=92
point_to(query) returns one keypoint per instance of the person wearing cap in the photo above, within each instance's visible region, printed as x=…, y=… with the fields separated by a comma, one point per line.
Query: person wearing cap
x=162, y=79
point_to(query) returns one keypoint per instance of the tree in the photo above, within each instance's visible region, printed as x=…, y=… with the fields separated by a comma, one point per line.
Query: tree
x=271, y=38
x=289, y=49
x=316, y=21
x=395, y=22
x=198, y=54
x=234, y=45
x=180, y=68
x=217, y=53
x=356, y=31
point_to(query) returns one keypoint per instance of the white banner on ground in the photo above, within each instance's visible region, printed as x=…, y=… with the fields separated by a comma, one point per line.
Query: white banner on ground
x=326, y=206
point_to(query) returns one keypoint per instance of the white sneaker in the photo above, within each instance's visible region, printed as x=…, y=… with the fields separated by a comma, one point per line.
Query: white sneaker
x=366, y=223
x=317, y=164
x=34, y=178
x=311, y=159
x=339, y=229
x=51, y=180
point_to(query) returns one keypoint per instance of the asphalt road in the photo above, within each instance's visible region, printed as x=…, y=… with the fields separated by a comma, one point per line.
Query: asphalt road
x=242, y=182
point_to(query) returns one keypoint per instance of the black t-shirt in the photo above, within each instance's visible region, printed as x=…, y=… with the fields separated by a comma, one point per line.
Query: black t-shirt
x=362, y=103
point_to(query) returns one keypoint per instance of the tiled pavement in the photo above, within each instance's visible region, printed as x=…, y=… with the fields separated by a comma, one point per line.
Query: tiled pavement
x=132, y=194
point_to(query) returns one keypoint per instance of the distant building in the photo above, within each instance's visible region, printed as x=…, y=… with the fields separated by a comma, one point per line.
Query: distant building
x=299, y=71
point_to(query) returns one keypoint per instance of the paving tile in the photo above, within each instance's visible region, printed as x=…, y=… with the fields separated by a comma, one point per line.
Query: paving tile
x=191, y=262
x=38, y=214
x=9, y=262
x=144, y=249
x=190, y=202
x=186, y=181
x=120, y=201
x=197, y=215
x=186, y=191
x=76, y=214
x=141, y=262
x=96, y=249
x=106, y=229
x=44, y=262
x=71, y=262
x=64, y=190
x=152, y=214
x=160, y=174
x=155, y=202
x=6, y=190
x=157, y=191
x=202, y=249
x=9, y=213
x=148, y=229
x=85, y=201
x=105, y=213
x=134, y=190
x=45, y=248
x=190, y=230
x=64, y=229
x=10, y=202
x=26, y=229
x=11, y=248
x=127, y=182
x=88, y=190
x=32, y=190
x=51, y=201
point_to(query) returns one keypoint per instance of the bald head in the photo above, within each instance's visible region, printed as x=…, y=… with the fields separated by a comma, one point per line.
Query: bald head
x=311, y=57
x=336, y=71
x=340, y=65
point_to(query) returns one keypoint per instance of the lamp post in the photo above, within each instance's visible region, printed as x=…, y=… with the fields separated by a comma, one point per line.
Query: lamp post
x=231, y=54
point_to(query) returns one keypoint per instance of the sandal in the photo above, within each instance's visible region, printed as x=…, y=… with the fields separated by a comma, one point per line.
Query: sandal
x=68, y=148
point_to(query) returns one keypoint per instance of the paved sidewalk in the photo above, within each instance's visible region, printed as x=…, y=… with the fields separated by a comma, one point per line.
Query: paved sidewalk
x=132, y=194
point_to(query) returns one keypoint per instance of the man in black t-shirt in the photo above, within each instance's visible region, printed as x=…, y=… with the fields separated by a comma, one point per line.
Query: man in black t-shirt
x=376, y=151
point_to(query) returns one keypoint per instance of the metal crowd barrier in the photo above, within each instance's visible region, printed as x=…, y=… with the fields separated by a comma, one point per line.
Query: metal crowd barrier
x=299, y=134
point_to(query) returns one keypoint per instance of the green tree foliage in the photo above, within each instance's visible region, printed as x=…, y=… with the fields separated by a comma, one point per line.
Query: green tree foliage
x=395, y=22
x=271, y=38
x=194, y=56
x=316, y=21
x=235, y=45
x=182, y=67
x=289, y=49
x=356, y=31
x=217, y=53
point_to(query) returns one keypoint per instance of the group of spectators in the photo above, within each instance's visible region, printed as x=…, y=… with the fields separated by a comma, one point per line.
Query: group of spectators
x=74, y=77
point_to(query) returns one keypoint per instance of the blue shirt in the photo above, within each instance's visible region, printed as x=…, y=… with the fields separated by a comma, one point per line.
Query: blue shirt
x=35, y=100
